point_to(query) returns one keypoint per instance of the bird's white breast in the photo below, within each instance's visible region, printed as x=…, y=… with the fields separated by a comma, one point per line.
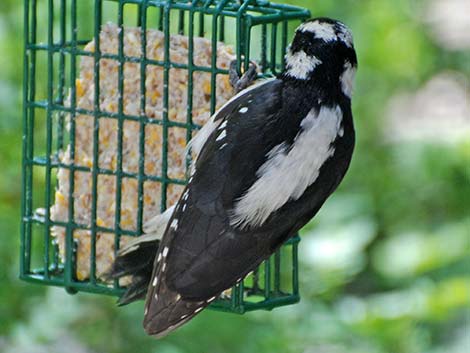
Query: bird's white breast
x=288, y=172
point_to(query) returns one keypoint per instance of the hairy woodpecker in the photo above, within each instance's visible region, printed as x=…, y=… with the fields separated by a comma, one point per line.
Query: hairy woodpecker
x=266, y=162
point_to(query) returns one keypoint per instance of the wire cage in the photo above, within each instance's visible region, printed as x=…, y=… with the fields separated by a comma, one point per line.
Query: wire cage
x=113, y=90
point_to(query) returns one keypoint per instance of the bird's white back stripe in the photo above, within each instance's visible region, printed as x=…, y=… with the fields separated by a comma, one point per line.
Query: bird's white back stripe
x=288, y=173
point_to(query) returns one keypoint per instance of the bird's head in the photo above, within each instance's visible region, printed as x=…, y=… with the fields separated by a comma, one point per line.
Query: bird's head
x=323, y=51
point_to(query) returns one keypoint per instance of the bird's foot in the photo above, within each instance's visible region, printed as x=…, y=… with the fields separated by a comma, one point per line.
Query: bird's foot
x=239, y=83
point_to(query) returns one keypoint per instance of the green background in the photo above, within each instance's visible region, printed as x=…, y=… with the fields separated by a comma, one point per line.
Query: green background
x=385, y=265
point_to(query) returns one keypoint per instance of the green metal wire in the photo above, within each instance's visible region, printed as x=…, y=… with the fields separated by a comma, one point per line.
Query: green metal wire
x=259, y=25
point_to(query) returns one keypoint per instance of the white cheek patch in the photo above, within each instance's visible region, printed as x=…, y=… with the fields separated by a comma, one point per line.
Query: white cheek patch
x=325, y=31
x=288, y=173
x=347, y=79
x=300, y=65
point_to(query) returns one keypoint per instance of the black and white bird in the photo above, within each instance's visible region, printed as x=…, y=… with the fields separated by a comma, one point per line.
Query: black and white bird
x=266, y=162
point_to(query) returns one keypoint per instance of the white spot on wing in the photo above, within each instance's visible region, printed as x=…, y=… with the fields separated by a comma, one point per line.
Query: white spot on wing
x=300, y=165
x=165, y=251
x=223, y=125
x=197, y=310
x=300, y=65
x=200, y=139
x=159, y=257
x=174, y=225
x=221, y=135
x=243, y=110
x=155, y=280
x=224, y=145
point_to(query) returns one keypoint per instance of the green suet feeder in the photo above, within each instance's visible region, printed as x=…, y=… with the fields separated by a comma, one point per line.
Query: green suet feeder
x=113, y=91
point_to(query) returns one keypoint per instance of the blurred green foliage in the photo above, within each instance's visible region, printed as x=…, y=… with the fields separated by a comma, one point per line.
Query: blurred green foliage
x=385, y=265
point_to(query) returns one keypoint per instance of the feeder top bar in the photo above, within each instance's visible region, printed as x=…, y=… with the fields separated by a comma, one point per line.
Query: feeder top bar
x=261, y=11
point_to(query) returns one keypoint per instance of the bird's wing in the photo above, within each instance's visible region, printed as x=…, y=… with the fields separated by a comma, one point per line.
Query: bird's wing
x=201, y=253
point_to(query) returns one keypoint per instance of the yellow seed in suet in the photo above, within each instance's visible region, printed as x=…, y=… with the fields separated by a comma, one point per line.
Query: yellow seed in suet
x=206, y=87
x=172, y=113
x=90, y=47
x=88, y=162
x=60, y=198
x=156, y=94
x=113, y=162
x=79, y=88
x=100, y=222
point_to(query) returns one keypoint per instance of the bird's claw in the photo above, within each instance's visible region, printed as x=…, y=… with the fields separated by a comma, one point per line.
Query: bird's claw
x=239, y=83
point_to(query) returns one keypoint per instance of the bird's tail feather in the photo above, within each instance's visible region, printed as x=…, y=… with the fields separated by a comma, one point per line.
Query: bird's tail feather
x=137, y=257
